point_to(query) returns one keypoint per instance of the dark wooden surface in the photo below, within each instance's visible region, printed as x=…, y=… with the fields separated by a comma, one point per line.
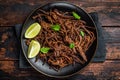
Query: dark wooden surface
x=15, y=12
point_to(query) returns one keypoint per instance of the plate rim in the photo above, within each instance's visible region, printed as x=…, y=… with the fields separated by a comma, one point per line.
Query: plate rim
x=63, y=2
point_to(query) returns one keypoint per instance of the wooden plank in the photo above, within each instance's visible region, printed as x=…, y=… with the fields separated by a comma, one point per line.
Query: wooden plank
x=109, y=70
x=113, y=51
x=111, y=34
x=9, y=49
x=109, y=12
x=8, y=66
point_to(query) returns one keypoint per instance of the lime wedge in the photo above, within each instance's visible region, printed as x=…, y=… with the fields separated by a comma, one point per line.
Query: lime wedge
x=33, y=30
x=33, y=49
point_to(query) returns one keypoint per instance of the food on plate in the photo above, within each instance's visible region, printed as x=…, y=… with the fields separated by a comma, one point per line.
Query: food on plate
x=64, y=38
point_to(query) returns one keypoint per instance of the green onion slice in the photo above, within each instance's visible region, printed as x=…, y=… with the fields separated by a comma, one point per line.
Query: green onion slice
x=44, y=49
x=55, y=27
x=76, y=16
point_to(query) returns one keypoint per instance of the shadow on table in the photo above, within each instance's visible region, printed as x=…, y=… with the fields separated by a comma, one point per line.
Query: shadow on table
x=5, y=76
x=82, y=77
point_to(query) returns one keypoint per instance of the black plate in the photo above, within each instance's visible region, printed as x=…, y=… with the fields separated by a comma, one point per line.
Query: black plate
x=69, y=70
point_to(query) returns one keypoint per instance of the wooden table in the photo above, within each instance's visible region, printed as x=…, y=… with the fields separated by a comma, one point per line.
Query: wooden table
x=15, y=12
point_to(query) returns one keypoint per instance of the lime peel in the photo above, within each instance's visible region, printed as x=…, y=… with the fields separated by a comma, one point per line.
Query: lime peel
x=33, y=30
x=33, y=49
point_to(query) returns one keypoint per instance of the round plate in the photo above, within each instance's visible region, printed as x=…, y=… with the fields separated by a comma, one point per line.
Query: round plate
x=69, y=70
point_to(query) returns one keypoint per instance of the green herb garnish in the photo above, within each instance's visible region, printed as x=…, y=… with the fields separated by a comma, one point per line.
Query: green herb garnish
x=76, y=16
x=82, y=33
x=44, y=49
x=56, y=27
x=72, y=45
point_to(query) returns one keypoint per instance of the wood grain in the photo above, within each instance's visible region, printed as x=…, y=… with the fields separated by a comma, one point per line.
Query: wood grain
x=107, y=70
x=113, y=51
x=111, y=34
x=9, y=49
x=104, y=71
x=17, y=11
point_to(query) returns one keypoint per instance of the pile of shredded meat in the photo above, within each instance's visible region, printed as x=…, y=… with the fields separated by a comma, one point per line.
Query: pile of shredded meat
x=60, y=54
